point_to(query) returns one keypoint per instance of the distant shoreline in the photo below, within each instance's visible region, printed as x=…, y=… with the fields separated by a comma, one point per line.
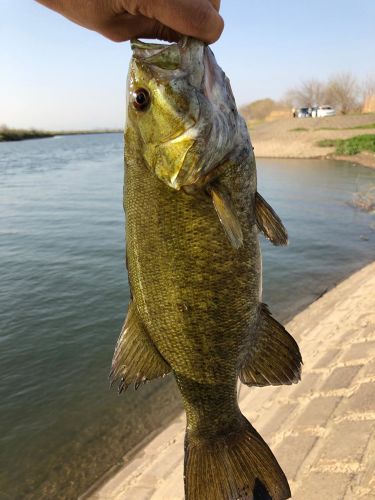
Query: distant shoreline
x=314, y=138
x=363, y=159
x=12, y=135
x=288, y=138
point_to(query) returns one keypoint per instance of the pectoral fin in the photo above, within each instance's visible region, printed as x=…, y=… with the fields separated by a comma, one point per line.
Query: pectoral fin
x=269, y=222
x=136, y=358
x=273, y=357
x=227, y=214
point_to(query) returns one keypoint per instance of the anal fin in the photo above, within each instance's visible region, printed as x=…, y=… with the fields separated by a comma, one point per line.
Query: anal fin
x=269, y=222
x=136, y=359
x=273, y=358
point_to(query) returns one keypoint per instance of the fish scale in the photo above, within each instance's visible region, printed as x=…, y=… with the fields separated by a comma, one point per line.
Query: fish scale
x=194, y=268
x=220, y=308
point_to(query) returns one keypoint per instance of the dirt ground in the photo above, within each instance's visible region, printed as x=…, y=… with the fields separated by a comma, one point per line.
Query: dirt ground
x=279, y=139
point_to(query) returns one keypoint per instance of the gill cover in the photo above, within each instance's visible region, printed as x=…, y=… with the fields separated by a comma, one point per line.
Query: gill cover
x=191, y=124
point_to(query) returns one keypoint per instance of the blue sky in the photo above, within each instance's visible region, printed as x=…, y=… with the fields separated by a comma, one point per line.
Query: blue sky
x=56, y=75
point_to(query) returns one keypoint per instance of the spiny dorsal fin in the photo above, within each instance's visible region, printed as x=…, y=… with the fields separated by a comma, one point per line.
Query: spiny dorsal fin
x=273, y=358
x=136, y=358
x=227, y=214
x=269, y=222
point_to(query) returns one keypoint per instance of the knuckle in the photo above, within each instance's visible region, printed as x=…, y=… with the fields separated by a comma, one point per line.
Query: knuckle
x=216, y=4
x=202, y=16
x=208, y=24
x=218, y=31
x=144, y=7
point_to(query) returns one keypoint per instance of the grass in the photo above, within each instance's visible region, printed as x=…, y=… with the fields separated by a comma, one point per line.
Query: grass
x=330, y=128
x=351, y=146
x=328, y=143
x=303, y=129
x=13, y=134
x=367, y=126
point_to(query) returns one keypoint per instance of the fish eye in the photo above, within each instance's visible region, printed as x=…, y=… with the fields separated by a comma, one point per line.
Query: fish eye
x=141, y=99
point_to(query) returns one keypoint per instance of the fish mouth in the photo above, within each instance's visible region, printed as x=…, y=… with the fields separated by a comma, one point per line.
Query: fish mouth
x=185, y=61
x=135, y=43
x=164, y=55
x=184, y=55
x=180, y=60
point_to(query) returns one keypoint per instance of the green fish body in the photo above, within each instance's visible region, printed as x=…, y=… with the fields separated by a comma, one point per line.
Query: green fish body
x=192, y=220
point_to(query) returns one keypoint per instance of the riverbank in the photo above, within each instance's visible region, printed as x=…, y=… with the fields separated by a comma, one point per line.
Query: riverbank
x=68, y=438
x=299, y=138
x=322, y=430
x=12, y=134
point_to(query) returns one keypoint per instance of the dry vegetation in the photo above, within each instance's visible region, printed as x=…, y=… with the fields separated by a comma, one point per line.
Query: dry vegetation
x=342, y=91
x=264, y=109
x=276, y=134
x=14, y=134
x=299, y=138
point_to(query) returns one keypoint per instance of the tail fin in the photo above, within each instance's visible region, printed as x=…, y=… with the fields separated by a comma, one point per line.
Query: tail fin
x=235, y=465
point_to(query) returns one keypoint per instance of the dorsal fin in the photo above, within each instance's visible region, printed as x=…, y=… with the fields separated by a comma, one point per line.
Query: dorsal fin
x=269, y=222
x=227, y=214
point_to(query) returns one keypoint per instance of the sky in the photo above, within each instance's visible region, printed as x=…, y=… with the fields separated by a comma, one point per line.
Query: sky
x=56, y=75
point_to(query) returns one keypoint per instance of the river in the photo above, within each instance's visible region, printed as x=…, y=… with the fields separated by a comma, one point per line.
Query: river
x=64, y=293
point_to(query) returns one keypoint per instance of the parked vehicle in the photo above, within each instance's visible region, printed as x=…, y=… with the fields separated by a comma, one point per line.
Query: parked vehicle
x=314, y=112
x=322, y=111
x=303, y=113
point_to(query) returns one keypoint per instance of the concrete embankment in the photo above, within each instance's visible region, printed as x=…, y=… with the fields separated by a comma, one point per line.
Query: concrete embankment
x=322, y=430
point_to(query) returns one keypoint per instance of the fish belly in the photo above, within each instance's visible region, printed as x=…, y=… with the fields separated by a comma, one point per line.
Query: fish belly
x=196, y=295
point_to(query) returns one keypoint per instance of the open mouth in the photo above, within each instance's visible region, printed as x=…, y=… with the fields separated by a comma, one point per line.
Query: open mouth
x=135, y=43
x=164, y=55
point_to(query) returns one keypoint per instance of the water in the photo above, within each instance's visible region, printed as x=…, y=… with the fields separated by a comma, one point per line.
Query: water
x=63, y=297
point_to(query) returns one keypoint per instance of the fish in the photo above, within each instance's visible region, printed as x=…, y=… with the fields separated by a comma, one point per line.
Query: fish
x=193, y=218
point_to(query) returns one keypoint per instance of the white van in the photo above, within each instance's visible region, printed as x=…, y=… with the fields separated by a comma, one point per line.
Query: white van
x=322, y=111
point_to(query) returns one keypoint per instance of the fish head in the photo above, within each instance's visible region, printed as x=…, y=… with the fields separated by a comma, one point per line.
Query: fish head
x=180, y=103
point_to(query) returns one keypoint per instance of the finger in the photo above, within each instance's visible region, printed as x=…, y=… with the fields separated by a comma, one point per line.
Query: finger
x=194, y=18
x=126, y=27
x=216, y=4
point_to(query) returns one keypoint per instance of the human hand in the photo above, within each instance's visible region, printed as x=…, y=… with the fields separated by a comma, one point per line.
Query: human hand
x=121, y=20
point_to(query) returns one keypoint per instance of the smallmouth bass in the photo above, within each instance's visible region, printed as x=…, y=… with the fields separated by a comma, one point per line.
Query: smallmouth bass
x=192, y=220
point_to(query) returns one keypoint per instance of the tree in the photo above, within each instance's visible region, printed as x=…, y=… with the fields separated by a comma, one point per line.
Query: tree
x=343, y=92
x=309, y=93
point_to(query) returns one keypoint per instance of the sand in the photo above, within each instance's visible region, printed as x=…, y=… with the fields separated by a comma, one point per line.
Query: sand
x=322, y=430
x=278, y=139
